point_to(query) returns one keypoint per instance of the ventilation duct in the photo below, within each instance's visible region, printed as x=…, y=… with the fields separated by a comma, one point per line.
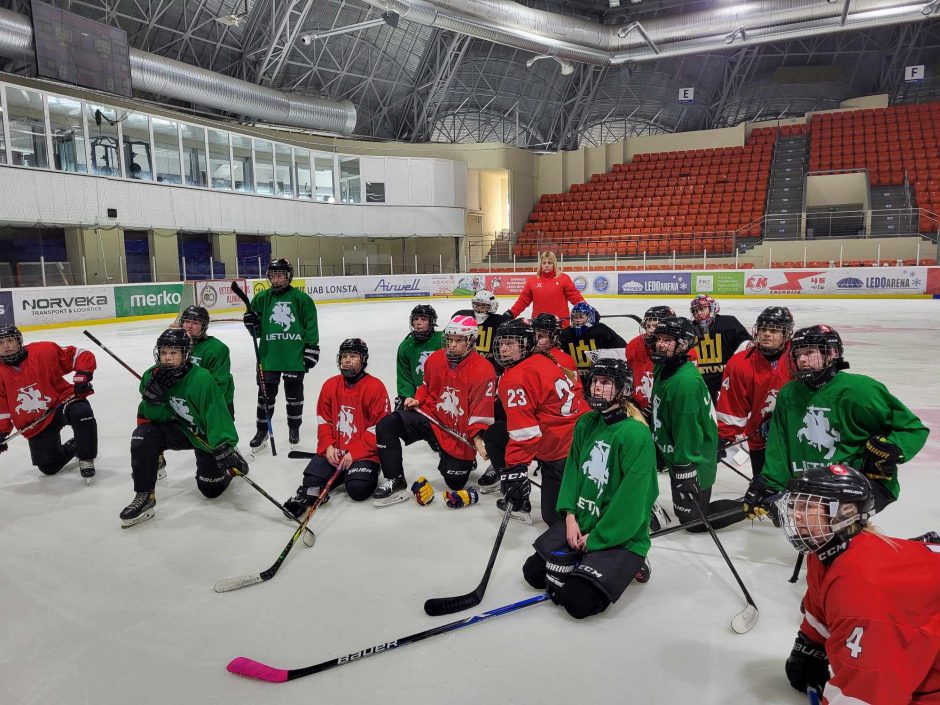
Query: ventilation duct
x=511, y=24
x=181, y=81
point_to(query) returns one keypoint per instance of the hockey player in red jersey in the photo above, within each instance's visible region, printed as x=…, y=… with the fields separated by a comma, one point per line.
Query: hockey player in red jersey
x=32, y=385
x=542, y=402
x=350, y=406
x=750, y=384
x=458, y=391
x=871, y=611
x=548, y=329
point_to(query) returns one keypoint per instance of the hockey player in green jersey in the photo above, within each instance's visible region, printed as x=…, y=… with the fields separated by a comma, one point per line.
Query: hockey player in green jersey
x=607, y=490
x=210, y=353
x=414, y=350
x=284, y=319
x=685, y=428
x=826, y=416
x=181, y=409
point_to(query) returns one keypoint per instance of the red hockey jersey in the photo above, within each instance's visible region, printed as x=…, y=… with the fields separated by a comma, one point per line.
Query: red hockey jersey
x=876, y=609
x=641, y=366
x=749, y=394
x=460, y=398
x=348, y=413
x=563, y=359
x=542, y=406
x=28, y=391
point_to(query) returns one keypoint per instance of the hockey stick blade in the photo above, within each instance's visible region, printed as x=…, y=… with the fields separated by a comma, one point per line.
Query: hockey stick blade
x=744, y=622
x=300, y=455
x=796, y=569
x=438, y=606
x=240, y=581
x=243, y=666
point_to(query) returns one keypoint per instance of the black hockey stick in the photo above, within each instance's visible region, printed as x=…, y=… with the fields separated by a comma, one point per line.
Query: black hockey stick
x=237, y=290
x=300, y=454
x=240, y=581
x=243, y=666
x=309, y=537
x=34, y=423
x=796, y=569
x=744, y=621
x=698, y=522
x=449, y=431
x=437, y=606
x=734, y=469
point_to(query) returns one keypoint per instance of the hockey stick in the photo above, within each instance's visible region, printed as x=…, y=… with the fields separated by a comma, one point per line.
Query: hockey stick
x=237, y=290
x=243, y=666
x=450, y=432
x=811, y=693
x=300, y=455
x=33, y=424
x=744, y=621
x=697, y=522
x=240, y=581
x=796, y=569
x=437, y=606
x=734, y=469
x=309, y=538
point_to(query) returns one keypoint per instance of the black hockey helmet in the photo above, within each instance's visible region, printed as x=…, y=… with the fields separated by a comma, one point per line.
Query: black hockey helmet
x=173, y=338
x=8, y=330
x=678, y=328
x=428, y=312
x=824, y=507
x=614, y=369
x=655, y=313
x=825, y=339
x=515, y=329
x=280, y=265
x=197, y=313
x=550, y=324
x=773, y=318
x=353, y=345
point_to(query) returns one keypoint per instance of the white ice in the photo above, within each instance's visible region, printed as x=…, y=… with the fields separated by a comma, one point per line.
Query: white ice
x=92, y=613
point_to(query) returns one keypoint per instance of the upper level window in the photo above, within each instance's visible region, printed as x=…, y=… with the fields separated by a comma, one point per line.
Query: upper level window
x=27, y=128
x=68, y=134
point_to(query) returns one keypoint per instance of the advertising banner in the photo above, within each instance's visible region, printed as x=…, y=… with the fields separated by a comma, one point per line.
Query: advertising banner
x=217, y=295
x=933, y=281
x=506, y=284
x=259, y=285
x=147, y=299
x=40, y=307
x=718, y=282
x=654, y=283
x=327, y=288
x=856, y=280
x=787, y=282
x=6, y=308
x=396, y=286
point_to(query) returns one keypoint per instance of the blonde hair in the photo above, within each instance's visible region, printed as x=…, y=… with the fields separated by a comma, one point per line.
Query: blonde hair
x=549, y=255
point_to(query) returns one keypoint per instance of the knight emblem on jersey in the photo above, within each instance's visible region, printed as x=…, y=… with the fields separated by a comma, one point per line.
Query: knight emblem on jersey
x=818, y=432
x=425, y=354
x=30, y=399
x=596, y=466
x=645, y=387
x=344, y=422
x=770, y=403
x=450, y=403
x=181, y=409
x=282, y=315
x=657, y=424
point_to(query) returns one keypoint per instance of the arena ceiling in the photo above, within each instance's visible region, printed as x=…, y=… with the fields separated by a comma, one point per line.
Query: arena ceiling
x=418, y=82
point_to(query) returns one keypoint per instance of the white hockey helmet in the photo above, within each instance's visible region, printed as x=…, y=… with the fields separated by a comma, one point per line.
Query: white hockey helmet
x=484, y=303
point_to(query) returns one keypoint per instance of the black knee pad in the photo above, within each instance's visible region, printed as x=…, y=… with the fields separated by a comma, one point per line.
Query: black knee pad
x=533, y=570
x=455, y=472
x=360, y=487
x=580, y=598
x=50, y=469
x=212, y=486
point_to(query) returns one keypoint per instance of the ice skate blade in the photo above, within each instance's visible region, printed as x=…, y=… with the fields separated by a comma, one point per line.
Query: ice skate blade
x=128, y=523
x=396, y=498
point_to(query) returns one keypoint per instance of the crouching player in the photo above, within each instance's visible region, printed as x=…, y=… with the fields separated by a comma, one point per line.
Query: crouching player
x=607, y=491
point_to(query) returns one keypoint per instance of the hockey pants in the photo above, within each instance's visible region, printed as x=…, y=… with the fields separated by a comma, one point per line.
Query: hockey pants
x=45, y=448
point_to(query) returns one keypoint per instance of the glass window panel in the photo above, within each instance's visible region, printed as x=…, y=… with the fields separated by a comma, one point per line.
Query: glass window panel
x=27, y=128
x=138, y=156
x=3, y=143
x=194, y=155
x=103, y=138
x=350, y=185
x=284, y=171
x=219, y=165
x=242, y=168
x=68, y=134
x=302, y=173
x=264, y=167
x=323, y=174
x=166, y=147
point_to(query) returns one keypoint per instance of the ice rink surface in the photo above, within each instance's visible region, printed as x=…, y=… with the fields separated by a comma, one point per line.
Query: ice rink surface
x=95, y=614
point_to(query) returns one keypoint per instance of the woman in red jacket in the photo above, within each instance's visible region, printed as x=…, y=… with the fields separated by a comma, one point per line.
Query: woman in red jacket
x=549, y=291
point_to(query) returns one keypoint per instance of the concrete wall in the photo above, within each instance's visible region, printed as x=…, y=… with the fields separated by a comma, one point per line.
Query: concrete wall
x=699, y=139
x=837, y=189
x=868, y=101
x=102, y=251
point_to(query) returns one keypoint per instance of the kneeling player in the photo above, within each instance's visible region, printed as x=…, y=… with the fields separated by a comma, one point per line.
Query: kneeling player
x=31, y=384
x=457, y=393
x=350, y=406
x=607, y=491
x=181, y=409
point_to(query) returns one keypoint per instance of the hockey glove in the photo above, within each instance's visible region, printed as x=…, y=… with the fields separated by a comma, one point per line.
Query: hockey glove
x=808, y=665
x=399, y=403
x=685, y=481
x=461, y=498
x=227, y=458
x=764, y=429
x=558, y=567
x=252, y=323
x=723, y=445
x=759, y=499
x=156, y=390
x=929, y=537
x=81, y=383
x=514, y=484
x=880, y=463
x=509, y=315
x=311, y=356
x=3, y=446
x=423, y=492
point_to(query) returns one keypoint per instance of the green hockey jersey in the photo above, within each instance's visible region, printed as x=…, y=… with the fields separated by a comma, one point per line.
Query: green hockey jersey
x=212, y=354
x=813, y=427
x=288, y=323
x=609, y=483
x=411, y=357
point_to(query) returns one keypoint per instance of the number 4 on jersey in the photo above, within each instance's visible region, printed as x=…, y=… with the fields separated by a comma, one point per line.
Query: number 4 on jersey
x=854, y=642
